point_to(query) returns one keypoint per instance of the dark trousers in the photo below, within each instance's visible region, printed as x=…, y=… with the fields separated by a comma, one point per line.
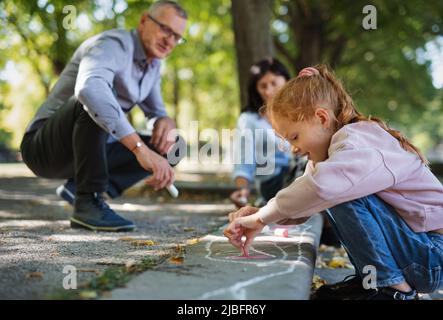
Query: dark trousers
x=269, y=188
x=70, y=145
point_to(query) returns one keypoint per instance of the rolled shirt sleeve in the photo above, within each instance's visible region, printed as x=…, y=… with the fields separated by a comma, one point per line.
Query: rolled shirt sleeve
x=95, y=82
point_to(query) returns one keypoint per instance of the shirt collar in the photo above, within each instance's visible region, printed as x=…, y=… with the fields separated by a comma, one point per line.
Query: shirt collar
x=139, y=51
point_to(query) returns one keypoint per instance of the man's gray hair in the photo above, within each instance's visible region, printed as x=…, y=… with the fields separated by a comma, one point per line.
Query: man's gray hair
x=158, y=5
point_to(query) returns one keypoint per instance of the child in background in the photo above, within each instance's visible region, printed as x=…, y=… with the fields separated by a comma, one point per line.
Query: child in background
x=383, y=201
x=265, y=79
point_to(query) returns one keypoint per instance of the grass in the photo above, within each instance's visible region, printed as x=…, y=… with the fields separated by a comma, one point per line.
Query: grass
x=112, y=278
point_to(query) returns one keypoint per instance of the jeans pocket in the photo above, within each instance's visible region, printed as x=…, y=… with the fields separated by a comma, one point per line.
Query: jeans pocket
x=422, y=279
x=437, y=240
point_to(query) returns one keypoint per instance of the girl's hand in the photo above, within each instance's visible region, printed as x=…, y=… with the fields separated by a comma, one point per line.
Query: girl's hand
x=243, y=212
x=240, y=197
x=248, y=226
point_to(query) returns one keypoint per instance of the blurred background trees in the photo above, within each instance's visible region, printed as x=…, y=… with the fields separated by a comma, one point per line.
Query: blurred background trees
x=390, y=71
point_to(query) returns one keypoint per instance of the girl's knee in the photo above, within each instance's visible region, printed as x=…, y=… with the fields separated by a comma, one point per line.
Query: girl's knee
x=349, y=205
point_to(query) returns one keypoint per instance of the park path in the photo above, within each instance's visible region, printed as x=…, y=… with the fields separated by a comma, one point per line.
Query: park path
x=36, y=242
x=279, y=268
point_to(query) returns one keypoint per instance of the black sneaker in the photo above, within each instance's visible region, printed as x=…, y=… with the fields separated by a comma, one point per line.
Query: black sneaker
x=67, y=192
x=351, y=288
x=351, y=285
x=388, y=294
x=92, y=212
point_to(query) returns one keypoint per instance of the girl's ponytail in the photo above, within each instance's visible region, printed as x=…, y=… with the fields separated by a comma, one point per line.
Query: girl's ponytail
x=346, y=112
x=299, y=98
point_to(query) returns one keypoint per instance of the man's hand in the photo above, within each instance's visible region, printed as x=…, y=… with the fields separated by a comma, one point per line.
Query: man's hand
x=162, y=173
x=159, y=138
x=244, y=222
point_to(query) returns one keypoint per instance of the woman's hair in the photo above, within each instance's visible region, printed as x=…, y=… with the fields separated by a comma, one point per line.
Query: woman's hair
x=256, y=72
x=299, y=98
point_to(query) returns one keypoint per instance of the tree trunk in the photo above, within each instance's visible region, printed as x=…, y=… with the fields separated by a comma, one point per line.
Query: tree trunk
x=315, y=43
x=253, y=39
x=176, y=94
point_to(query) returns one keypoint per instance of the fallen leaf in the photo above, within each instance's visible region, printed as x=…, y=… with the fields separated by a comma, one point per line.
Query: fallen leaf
x=317, y=282
x=88, y=294
x=96, y=271
x=34, y=275
x=192, y=241
x=176, y=260
x=337, y=262
x=140, y=243
x=54, y=254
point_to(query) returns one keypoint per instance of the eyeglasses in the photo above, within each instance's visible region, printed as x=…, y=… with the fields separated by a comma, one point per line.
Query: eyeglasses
x=168, y=31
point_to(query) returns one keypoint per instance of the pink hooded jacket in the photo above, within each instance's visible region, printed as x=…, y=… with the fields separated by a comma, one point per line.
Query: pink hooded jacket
x=363, y=159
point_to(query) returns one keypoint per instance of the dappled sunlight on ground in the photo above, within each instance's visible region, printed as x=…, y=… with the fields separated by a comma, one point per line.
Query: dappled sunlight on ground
x=36, y=242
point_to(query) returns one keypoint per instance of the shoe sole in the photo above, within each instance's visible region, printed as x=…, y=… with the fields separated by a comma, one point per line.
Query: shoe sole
x=79, y=224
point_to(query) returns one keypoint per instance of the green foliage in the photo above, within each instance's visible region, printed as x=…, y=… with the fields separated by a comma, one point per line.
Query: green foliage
x=199, y=81
x=386, y=70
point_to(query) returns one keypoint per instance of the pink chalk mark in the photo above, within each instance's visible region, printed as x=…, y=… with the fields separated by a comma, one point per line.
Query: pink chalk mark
x=243, y=257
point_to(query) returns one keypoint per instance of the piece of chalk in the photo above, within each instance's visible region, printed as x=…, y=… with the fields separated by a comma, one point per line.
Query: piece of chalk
x=281, y=232
x=172, y=190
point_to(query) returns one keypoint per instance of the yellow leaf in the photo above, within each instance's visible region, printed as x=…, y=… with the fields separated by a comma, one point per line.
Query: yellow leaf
x=317, y=282
x=192, y=241
x=88, y=294
x=337, y=262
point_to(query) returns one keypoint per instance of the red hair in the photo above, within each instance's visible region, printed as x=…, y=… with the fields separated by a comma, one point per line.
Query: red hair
x=318, y=86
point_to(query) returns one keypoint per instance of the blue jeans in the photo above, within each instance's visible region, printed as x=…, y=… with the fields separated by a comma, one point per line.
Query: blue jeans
x=373, y=233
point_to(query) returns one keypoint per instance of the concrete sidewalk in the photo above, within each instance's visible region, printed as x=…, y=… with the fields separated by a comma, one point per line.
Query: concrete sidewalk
x=279, y=268
x=36, y=243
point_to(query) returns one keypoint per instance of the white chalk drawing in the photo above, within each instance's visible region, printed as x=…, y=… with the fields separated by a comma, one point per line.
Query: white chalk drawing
x=238, y=289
